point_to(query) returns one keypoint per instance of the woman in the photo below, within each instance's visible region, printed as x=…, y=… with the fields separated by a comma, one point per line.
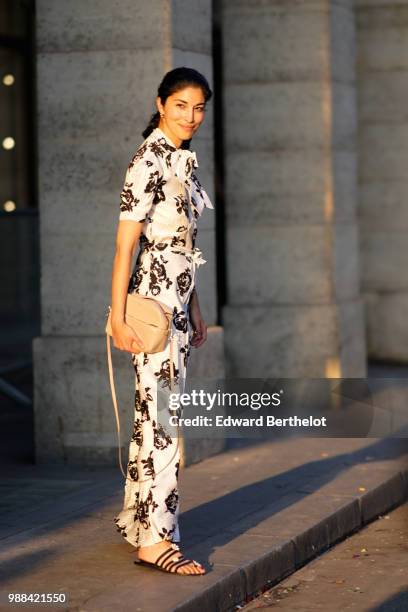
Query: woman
x=160, y=204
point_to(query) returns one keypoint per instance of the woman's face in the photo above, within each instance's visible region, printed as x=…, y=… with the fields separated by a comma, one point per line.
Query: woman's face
x=184, y=112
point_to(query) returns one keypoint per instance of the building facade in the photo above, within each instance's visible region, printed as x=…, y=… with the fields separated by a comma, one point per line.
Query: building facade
x=302, y=153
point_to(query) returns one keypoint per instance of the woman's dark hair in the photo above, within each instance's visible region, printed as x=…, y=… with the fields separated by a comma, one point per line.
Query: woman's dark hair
x=173, y=81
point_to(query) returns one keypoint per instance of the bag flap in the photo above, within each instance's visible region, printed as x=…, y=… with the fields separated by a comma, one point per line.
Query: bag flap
x=148, y=309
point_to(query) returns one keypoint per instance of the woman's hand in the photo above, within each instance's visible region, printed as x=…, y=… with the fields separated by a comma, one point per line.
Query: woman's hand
x=125, y=339
x=197, y=321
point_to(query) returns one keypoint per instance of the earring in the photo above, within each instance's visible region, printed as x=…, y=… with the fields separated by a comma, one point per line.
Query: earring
x=161, y=114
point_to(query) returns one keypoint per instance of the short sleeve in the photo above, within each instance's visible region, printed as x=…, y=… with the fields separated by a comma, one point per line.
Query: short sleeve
x=138, y=194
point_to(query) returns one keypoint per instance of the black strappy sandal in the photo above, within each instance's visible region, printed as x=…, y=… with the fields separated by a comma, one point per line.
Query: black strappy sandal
x=164, y=564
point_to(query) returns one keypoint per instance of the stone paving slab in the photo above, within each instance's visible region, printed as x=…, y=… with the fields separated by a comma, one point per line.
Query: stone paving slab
x=252, y=516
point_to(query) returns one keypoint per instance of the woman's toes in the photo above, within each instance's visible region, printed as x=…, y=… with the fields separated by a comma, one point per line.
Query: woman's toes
x=189, y=568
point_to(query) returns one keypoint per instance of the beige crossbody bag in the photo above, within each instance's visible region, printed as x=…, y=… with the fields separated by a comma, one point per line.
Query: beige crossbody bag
x=151, y=320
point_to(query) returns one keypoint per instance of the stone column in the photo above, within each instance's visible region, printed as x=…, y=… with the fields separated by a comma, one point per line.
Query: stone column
x=99, y=65
x=382, y=70
x=294, y=306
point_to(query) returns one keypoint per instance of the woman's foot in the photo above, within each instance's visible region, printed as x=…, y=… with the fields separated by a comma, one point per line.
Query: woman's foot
x=155, y=552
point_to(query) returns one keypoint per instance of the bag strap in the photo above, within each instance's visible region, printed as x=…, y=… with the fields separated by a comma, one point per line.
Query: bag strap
x=115, y=405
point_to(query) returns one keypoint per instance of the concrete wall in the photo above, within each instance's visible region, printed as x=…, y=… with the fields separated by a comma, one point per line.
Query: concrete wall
x=382, y=69
x=99, y=66
x=294, y=306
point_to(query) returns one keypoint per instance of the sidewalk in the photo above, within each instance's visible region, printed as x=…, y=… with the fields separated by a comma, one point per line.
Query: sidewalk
x=367, y=572
x=252, y=515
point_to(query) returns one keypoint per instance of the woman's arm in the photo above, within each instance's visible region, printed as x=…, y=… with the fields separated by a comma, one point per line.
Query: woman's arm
x=127, y=238
x=197, y=321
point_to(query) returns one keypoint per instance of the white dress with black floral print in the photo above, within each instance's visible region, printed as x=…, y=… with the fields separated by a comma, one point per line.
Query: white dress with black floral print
x=162, y=191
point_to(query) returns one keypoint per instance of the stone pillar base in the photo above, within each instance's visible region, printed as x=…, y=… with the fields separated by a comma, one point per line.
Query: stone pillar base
x=74, y=415
x=295, y=341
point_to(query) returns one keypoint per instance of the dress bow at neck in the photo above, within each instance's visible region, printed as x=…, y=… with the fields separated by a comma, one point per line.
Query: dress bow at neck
x=183, y=162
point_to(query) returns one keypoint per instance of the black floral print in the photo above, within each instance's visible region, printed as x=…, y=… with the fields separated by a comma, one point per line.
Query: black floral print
x=189, y=167
x=194, y=207
x=144, y=508
x=137, y=435
x=162, y=192
x=134, y=192
x=158, y=191
x=184, y=282
x=139, y=155
x=181, y=205
x=148, y=466
x=132, y=470
x=180, y=319
x=127, y=199
x=163, y=376
x=161, y=438
x=185, y=352
x=160, y=146
x=166, y=534
x=171, y=501
x=178, y=241
x=158, y=275
x=120, y=528
x=160, y=246
x=142, y=405
x=136, y=280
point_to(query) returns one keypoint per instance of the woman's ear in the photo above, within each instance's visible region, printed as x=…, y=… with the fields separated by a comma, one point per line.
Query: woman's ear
x=159, y=105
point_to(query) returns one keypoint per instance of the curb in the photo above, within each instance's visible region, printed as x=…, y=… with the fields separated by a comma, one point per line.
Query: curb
x=243, y=584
